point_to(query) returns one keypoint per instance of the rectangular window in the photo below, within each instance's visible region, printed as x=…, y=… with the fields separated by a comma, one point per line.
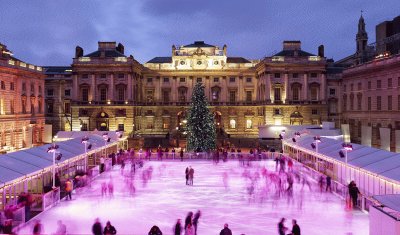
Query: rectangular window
x=166, y=80
x=277, y=111
x=216, y=79
x=232, y=79
x=277, y=75
x=50, y=92
x=3, y=85
x=49, y=105
x=149, y=95
x=351, y=87
x=121, y=75
x=398, y=102
x=359, y=101
x=120, y=127
x=23, y=86
x=369, y=85
x=199, y=80
x=359, y=86
x=277, y=94
x=389, y=102
x=296, y=93
x=121, y=93
x=378, y=103
x=67, y=92
x=67, y=107
x=332, y=91
x=314, y=75
x=314, y=111
x=149, y=80
x=232, y=96
x=32, y=87
x=12, y=86
x=103, y=94
x=84, y=127
x=12, y=106
x=85, y=75
x=398, y=81
x=103, y=75
x=295, y=75
x=248, y=79
x=344, y=88
x=248, y=96
x=182, y=79
x=390, y=83
x=378, y=84
x=369, y=104
x=165, y=96
x=85, y=94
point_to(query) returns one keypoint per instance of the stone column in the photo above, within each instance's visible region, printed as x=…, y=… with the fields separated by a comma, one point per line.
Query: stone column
x=305, y=88
x=286, y=87
x=111, y=88
x=129, y=88
x=92, y=87
x=323, y=88
x=240, y=89
x=75, y=94
x=268, y=86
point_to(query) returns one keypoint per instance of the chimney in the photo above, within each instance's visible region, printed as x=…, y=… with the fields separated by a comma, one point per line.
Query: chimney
x=173, y=50
x=291, y=45
x=224, y=49
x=321, y=52
x=120, y=48
x=78, y=52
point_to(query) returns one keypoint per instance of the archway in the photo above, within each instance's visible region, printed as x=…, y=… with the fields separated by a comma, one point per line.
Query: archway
x=102, y=121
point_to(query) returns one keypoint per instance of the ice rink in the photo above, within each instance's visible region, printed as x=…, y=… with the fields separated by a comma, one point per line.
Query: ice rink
x=166, y=198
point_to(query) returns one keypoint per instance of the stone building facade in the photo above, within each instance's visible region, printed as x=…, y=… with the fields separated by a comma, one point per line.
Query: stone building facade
x=371, y=98
x=107, y=90
x=21, y=102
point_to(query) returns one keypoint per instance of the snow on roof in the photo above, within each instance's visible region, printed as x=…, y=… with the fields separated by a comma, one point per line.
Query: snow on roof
x=34, y=160
x=373, y=160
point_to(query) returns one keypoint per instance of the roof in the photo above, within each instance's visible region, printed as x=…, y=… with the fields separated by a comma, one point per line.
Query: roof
x=79, y=134
x=108, y=53
x=376, y=161
x=237, y=60
x=291, y=53
x=199, y=44
x=33, y=161
x=57, y=69
x=389, y=200
x=160, y=60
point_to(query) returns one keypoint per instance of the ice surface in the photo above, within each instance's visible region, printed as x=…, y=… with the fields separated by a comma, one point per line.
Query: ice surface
x=166, y=198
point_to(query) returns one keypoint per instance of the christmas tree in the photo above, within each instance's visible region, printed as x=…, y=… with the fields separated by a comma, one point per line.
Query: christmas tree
x=200, y=125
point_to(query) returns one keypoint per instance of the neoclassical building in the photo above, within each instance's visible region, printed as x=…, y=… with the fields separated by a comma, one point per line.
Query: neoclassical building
x=107, y=90
x=21, y=102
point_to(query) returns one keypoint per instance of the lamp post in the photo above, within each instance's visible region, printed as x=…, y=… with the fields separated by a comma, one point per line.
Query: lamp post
x=53, y=149
x=346, y=148
x=106, y=139
x=282, y=136
x=85, y=141
x=294, y=139
x=314, y=145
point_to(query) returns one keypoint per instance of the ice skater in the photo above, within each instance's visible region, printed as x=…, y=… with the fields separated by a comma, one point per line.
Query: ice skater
x=191, y=175
x=195, y=221
x=178, y=228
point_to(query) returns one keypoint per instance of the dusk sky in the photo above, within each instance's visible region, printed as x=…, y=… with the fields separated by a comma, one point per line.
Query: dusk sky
x=47, y=32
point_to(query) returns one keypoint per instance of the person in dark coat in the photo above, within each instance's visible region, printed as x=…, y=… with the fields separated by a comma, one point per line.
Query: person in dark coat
x=188, y=219
x=196, y=218
x=109, y=229
x=178, y=228
x=354, y=194
x=295, y=228
x=187, y=175
x=97, y=229
x=181, y=154
x=281, y=227
x=155, y=231
x=226, y=230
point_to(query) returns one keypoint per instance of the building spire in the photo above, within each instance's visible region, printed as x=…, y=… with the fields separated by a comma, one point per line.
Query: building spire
x=362, y=35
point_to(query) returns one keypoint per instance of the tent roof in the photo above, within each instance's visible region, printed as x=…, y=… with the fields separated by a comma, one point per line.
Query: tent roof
x=376, y=161
x=389, y=200
x=29, y=161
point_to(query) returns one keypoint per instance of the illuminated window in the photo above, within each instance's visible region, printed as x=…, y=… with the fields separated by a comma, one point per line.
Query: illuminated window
x=149, y=95
x=278, y=122
x=249, y=124
x=85, y=94
x=232, y=123
x=182, y=79
x=232, y=96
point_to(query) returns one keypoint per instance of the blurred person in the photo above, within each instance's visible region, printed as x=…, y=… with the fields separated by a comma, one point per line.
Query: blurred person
x=281, y=227
x=155, y=231
x=178, y=228
x=195, y=221
x=68, y=189
x=61, y=228
x=37, y=228
x=109, y=229
x=189, y=230
x=295, y=228
x=328, y=184
x=97, y=228
x=225, y=230
x=188, y=219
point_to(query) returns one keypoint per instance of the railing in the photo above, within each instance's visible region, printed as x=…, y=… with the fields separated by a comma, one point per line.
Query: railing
x=51, y=198
x=19, y=216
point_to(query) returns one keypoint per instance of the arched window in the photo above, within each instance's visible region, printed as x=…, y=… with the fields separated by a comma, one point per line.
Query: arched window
x=232, y=124
x=314, y=91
